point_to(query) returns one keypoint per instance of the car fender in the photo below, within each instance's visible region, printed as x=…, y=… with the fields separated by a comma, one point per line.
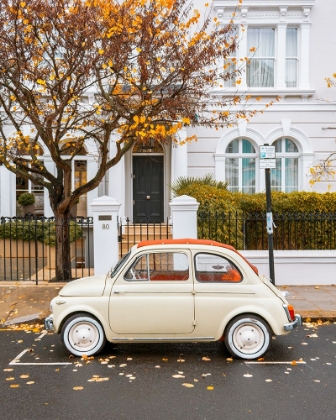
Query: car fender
x=275, y=320
x=97, y=307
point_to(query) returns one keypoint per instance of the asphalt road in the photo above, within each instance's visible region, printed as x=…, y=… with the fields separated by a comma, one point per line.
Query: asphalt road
x=296, y=379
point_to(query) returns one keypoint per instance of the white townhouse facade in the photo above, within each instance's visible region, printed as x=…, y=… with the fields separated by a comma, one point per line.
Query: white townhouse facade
x=293, y=44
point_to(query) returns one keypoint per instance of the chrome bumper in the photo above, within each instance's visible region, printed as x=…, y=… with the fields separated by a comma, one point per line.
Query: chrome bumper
x=296, y=323
x=49, y=323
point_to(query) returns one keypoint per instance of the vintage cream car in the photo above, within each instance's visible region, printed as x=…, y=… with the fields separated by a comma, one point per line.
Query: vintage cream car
x=173, y=291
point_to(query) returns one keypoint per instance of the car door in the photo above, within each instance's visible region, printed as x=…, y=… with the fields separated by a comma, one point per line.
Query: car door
x=220, y=287
x=154, y=296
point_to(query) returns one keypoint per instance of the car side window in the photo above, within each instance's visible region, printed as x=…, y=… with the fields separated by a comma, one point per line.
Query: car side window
x=215, y=268
x=159, y=266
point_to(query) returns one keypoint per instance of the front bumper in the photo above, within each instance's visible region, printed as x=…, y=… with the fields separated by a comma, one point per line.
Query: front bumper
x=296, y=323
x=49, y=323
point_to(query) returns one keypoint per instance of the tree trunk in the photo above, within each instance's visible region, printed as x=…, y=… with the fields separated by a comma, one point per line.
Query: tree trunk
x=63, y=259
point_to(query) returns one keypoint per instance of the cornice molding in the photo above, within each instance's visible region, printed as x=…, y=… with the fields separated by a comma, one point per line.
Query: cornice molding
x=273, y=10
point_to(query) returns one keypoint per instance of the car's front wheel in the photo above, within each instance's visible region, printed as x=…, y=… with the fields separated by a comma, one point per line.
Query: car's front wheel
x=82, y=334
x=247, y=336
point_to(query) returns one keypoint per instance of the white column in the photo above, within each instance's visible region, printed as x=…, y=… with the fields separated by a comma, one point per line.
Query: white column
x=105, y=233
x=307, y=161
x=184, y=217
x=304, y=57
x=8, y=192
x=281, y=57
x=179, y=157
x=116, y=177
x=220, y=168
x=91, y=170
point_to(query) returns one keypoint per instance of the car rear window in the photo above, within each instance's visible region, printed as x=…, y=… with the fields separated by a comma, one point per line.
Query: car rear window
x=215, y=268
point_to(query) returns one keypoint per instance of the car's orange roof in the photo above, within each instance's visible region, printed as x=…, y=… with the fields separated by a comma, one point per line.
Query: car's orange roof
x=186, y=241
x=191, y=241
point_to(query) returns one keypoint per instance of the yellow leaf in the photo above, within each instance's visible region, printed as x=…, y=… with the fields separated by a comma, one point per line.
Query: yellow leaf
x=22, y=4
x=210, y=388
x=293, y=363
x=101, y=51
x=14, y=386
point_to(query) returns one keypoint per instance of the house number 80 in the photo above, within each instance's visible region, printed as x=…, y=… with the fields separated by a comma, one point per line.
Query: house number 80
x=105, y=226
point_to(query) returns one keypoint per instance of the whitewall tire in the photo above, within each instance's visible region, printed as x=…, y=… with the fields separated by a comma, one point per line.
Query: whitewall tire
x=82, y=334
x=247, y=336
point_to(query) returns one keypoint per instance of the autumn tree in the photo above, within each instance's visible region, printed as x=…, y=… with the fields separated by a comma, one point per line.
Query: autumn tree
x=78, y=70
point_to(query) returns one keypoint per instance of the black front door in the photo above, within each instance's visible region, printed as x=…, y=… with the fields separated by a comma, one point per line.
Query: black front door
x=148, y=189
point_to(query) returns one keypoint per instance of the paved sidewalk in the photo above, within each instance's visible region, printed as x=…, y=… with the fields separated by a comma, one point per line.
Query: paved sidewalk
x=27, y=303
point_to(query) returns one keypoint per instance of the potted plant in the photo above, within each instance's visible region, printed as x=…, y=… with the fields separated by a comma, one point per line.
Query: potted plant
x=27, y=203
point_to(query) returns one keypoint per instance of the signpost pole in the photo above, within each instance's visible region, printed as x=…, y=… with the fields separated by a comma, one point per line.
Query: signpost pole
x=268, y=161
x=269, y=224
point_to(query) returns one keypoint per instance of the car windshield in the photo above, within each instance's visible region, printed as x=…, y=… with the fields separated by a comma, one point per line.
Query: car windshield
x=117, y=266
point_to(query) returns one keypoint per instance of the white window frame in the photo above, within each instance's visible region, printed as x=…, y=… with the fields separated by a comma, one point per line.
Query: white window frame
x=240, y=156
x=283, y=155
x=292, y=14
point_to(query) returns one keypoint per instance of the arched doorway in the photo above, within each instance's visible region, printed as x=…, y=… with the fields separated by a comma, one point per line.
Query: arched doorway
x=148, y=182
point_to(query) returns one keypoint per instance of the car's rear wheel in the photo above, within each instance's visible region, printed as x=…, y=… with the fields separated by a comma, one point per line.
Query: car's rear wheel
x=247, y=336
x=82, y=334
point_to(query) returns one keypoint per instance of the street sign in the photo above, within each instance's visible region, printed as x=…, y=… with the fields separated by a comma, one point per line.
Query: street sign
x=267, y=163
x=267, y=152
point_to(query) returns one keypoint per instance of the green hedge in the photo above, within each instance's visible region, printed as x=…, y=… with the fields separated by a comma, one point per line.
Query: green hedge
x=43, y=231
x=303, y=218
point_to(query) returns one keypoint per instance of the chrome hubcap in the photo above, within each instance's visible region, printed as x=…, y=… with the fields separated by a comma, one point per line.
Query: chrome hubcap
x=83, y=335
x=248, y=338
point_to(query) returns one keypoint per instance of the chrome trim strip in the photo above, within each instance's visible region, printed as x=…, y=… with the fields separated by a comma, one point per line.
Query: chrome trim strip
x=177, y=339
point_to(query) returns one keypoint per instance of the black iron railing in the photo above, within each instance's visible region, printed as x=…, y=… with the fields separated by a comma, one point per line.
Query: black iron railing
x=27, y=248
x=292, y=231
x=146, y=229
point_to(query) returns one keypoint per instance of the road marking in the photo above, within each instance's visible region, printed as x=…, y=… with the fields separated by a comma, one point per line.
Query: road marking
x=17, y=359
x=293, y=362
